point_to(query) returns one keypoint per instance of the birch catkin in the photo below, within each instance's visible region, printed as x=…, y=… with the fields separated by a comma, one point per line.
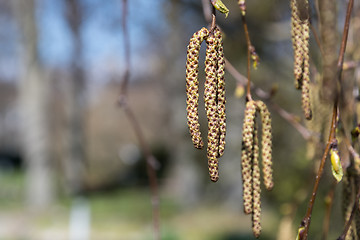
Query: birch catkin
x=250, y=168
x=256, y=212
x=210, y=98
x=305, y=95
x=247, y=155
x=214, y=95
x=297, y=43
x=221, y=99
x=192, y=86
x=266, y=144
x=300, y=36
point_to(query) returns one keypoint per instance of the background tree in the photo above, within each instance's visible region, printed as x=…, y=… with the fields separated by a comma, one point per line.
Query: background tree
x=80, y=46
x=76, y=103
x=33, y=102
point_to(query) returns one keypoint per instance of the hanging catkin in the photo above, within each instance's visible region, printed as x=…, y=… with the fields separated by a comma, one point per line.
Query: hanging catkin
x=250, y=168
x=221, y=99
x=305, y=94
x=300, y=35
x=297, y=40
x=214, y=95
x=247, y=154
x=256, y=191
x=210, y=99
x=266, y=144
x=192, y=86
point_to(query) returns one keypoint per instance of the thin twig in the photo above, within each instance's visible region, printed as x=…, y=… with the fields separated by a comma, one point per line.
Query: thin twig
x=249, y=47
x=151, y=162
x=213, y=23
x=344, y=39
x=313, y=30
x=207, y=10
x=351, y=149
x=329, y=200
x=290, y=118
x=241, y=79
x=127, y=56
x=307, y=219
x=349, y=221
x=316, y=36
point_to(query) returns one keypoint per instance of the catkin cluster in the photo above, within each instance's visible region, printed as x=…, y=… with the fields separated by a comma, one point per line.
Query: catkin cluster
x=250, y=160
x=214, y=95
x=300, y=35
x=192, y=85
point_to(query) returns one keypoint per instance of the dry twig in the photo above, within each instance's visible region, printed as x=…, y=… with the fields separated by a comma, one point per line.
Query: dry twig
x=151, y=162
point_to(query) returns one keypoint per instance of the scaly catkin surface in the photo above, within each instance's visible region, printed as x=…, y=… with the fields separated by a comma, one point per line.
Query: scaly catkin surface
x=246, y=155
x=266, y=144
x=256, y=212
x=221, y=99
x=210, y=98
x=305, y=94
x=192, y=86
x=297, y=40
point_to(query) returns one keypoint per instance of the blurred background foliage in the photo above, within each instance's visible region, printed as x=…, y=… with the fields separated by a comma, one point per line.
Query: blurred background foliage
x=90, y=160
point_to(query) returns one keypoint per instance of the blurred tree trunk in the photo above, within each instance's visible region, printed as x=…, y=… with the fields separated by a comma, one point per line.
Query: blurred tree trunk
x=75, y=105
x=185, y=177
x=34, y=98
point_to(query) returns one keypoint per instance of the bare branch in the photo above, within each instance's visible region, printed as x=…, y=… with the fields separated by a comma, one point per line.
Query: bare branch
x=151, y=162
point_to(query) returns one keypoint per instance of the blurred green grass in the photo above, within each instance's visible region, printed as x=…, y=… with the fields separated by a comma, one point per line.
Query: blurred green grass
x=122, y=214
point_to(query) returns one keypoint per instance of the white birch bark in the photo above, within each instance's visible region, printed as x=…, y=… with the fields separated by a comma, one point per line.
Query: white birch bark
x=33, y=104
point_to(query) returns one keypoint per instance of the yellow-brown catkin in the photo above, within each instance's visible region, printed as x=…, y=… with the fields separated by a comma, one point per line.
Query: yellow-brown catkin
x=250, y=160
x=210, y=99
x=192, y=86
x=266, y=144
x=221, y=91
x=246, y=155
x=246, y=172
x=305, y=95
x=297, y=40
x=256, y=212
x=300, y=35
